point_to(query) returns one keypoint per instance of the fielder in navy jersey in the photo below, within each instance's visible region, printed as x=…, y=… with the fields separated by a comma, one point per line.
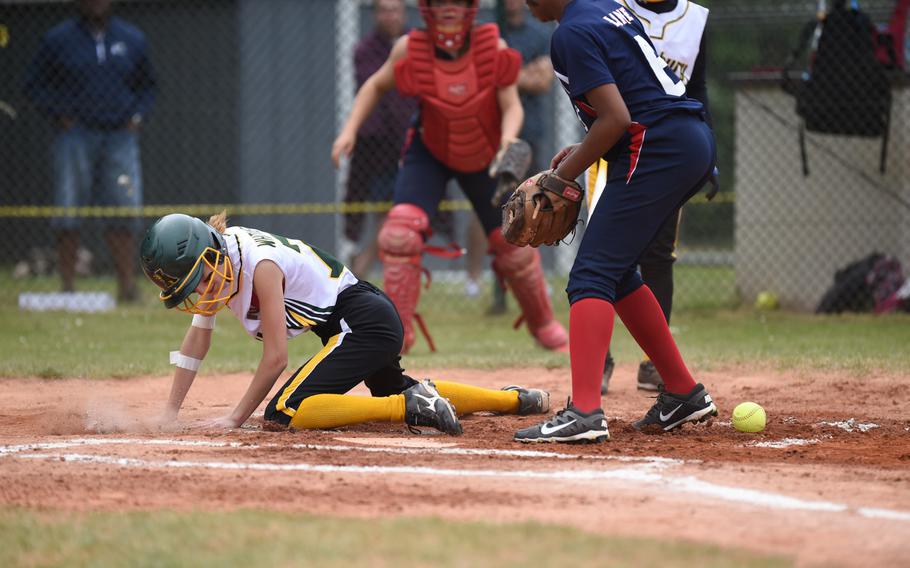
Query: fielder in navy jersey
x=678, y=31
x=661, y=151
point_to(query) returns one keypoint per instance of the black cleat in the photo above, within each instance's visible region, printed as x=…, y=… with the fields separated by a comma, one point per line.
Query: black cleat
x=569, y=425
x=648, y=377
x=530, y=401
x=672, y=410
x=609, y=364
x=424, y=406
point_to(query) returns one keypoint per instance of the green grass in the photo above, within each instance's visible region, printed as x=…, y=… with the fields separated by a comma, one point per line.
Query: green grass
x=256, y=538
x=712, y=331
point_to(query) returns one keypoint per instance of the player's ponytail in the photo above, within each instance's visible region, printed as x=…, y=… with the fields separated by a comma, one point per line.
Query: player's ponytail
x=219, y=221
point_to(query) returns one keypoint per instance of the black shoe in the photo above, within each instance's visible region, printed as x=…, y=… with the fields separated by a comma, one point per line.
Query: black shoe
x=672, y=410
x=424, y=406
x=530, y=401
x=609, y=364
x=648, y=377
x=569, y=425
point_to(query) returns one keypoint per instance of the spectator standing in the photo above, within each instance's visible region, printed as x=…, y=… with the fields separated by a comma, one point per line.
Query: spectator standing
x=532, y=40
x=92, y=78
x=374, y=163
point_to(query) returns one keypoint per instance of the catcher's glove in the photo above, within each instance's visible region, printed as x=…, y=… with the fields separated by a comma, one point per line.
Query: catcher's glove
x=542, y=210
x=511, y=166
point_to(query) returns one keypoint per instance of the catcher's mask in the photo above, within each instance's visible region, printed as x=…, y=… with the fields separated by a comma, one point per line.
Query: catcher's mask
x=178, y=253
x=448, y=24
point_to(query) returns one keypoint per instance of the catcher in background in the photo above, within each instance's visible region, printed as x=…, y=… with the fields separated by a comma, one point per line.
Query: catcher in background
x=677, y=30
x=279, y=288
x=464, y=77
x=661, y=152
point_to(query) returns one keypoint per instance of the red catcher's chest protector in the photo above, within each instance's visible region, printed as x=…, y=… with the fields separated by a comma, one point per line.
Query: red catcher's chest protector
x=459, y=110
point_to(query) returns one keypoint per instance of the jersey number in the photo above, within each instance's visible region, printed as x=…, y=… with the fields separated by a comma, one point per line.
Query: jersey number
x=335, y=267
x=659, y=66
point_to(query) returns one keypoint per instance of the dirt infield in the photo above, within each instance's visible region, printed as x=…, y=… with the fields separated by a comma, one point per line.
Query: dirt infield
x=827, y=482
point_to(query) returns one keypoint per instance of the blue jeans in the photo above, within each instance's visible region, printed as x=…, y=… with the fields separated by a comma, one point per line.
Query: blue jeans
x=96, y=167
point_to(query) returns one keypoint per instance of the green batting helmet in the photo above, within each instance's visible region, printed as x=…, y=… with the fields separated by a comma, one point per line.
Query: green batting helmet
x=171, y=251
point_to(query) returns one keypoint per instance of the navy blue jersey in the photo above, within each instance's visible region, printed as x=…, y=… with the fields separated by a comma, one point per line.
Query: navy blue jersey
x=600, y=42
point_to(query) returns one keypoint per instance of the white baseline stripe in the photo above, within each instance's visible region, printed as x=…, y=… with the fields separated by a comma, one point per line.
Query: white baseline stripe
x=784, y=443
x=7, y=450
x=633, y=474
x=75, y=442
x=500, y=453
x=884, y=514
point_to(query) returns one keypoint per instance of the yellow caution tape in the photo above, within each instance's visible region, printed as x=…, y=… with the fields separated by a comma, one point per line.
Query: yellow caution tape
x=203, y=209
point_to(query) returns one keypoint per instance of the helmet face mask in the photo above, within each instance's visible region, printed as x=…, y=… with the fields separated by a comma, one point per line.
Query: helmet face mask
x=217, y=274
x=178, y=253
x=449, y=24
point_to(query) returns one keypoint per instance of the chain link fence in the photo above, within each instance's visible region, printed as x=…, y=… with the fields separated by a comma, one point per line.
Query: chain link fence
x=238, y=102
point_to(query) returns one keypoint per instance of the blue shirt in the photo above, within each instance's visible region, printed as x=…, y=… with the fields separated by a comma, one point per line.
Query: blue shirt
x=599, y=42
x=532, y=40
x=100, y=81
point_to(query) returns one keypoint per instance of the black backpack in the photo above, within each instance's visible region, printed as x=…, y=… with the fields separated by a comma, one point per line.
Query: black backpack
x=846, y=90
x=873, y=283
x=851, y=291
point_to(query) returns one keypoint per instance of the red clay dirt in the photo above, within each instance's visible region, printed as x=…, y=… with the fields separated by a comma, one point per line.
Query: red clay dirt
x=829, y=482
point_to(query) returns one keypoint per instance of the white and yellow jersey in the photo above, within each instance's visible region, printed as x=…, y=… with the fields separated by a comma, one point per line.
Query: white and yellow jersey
x=676, y=34
x=312, y=279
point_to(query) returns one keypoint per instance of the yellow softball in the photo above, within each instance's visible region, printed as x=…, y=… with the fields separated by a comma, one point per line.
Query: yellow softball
x=749, y=417
x=766, y=301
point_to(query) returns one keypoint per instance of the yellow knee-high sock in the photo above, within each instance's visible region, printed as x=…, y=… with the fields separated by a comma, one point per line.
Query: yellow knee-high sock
x=468, y=399
x=323, y=411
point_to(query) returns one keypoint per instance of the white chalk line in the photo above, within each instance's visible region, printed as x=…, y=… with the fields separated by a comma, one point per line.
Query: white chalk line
x=851, y=425
x=6, y=450
x=784, y=443
x=641, y=473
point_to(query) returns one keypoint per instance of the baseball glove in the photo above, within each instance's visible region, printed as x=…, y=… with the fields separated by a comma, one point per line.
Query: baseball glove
x=510, y=166
x=542, y=210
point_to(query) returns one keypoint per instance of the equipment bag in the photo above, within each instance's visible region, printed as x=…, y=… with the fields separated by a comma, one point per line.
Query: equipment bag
x=846, y=90
x=874, y=283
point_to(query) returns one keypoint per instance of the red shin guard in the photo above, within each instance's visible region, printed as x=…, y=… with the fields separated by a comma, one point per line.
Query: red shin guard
x=400, y=248
x=520, y=269
x=644, y=319
x=590, y=330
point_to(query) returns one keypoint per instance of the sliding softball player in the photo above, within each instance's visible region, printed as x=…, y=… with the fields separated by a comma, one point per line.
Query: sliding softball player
x=280, y=288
